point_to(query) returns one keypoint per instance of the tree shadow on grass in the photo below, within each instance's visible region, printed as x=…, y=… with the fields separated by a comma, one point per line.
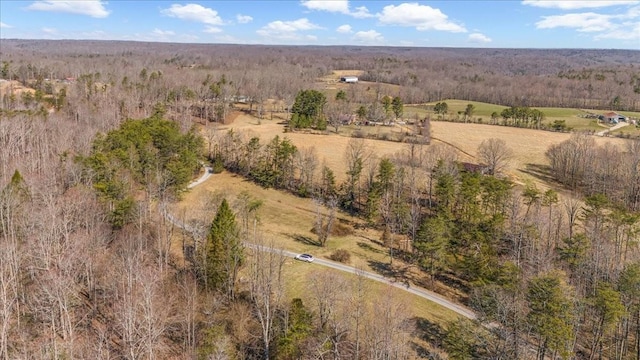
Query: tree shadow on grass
x=429, y=332
x=304, y=239
x=368, y=247
x=383, y=269
x=394, y=273
x=540, y=172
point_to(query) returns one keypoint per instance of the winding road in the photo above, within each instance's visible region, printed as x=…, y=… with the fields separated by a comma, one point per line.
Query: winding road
x=423, y=293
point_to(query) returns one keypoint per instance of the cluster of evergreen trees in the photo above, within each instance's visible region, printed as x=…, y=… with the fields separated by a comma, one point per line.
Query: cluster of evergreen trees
x=149, y=155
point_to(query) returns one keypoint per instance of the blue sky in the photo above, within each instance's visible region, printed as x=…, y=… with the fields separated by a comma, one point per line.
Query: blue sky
x=497, y=24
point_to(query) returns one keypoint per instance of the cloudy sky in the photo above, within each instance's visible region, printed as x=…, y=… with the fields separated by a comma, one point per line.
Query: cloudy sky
x=458, y=23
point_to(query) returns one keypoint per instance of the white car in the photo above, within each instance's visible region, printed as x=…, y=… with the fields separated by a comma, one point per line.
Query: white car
x=304, y=257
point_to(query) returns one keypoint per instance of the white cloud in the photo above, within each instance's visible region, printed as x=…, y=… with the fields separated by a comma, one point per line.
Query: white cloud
x=339, y=6
x=368, y=37
x=584, y=22
x=95, y=35
x=6, y=26
x=361, y=12
x=287, y=30
x=227, y=39
x=93, y=8
x=623, y=26
x=160, y=35
x=479, y=38
x=193, y=12
x=159, y=32
x=344, y=29
x=50, y=31
x=212, y=30
x=577, y=4
x=157, y=35
x=336, y=6
x=628, y=31
x=422, y=17
x=243, y=19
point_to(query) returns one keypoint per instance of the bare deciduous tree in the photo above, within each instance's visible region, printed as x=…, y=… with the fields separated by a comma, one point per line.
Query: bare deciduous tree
x=325, y=221
x=495, y=154
x=266, y=289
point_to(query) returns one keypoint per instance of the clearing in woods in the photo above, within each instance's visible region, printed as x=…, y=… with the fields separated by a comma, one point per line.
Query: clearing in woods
x=528, y=145
x=287, y=220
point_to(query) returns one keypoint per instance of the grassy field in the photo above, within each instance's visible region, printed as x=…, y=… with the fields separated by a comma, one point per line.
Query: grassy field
x=288, y=220
x=574, y=118
x=629, y=130
x=529, y=145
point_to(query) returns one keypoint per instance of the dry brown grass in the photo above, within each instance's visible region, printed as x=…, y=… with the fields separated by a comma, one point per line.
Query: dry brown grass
x=287, y=220
x=529, y=145
x=15, y=87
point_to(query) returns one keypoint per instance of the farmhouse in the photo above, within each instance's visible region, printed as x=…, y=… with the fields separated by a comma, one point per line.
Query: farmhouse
x=613, y=117
x=349, y=79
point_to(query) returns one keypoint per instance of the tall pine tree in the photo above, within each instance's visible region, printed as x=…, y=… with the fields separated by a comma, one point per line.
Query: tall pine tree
x=224, y=251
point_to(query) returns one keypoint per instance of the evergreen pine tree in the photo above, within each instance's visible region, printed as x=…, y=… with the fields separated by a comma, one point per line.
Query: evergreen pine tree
x=224, y=252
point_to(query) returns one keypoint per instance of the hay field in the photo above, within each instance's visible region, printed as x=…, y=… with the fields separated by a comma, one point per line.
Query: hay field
x=529, y=146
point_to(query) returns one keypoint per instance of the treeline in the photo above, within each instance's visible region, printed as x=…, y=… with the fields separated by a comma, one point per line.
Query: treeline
x=583, y=166
x=511, y=77
x=77, y=282
x=516, y=116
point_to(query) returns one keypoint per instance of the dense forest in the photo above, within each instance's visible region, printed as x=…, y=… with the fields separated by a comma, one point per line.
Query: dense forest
x=594, y=79
x=97, y=139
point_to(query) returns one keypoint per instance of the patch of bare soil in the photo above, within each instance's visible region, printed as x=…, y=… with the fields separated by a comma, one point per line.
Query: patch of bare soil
x=232, y=117
x=12, y=86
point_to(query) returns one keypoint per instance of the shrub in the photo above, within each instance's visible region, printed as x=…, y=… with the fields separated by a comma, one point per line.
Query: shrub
x=359, y=134
x=218, y=165
x=340, y=255
x=340, y=229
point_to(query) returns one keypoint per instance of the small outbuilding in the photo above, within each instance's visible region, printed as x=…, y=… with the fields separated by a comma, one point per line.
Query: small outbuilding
x=349, y=79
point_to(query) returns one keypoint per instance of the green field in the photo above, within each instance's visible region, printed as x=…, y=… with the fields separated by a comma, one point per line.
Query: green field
x=574, y=118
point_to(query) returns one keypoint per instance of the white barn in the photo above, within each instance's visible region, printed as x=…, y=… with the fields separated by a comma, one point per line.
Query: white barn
x=349, y=79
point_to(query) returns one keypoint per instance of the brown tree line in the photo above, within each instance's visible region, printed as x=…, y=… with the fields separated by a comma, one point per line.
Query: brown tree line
x=603, y=79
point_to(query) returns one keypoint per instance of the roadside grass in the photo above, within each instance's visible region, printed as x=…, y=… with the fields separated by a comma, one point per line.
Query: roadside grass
x=286, y=221
x=631, y=131
x=298, y=275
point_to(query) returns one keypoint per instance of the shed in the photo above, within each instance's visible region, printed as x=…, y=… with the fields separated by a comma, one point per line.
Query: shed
x=349, y=79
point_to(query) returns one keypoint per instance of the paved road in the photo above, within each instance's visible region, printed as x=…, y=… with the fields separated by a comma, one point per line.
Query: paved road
x=207, y=174
x=423, y=293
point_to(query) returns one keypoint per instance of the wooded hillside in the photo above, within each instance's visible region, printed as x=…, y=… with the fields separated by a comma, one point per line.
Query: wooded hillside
x=98, y=141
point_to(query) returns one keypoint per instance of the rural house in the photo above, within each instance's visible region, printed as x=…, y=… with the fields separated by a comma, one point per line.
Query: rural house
x=613, y=117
